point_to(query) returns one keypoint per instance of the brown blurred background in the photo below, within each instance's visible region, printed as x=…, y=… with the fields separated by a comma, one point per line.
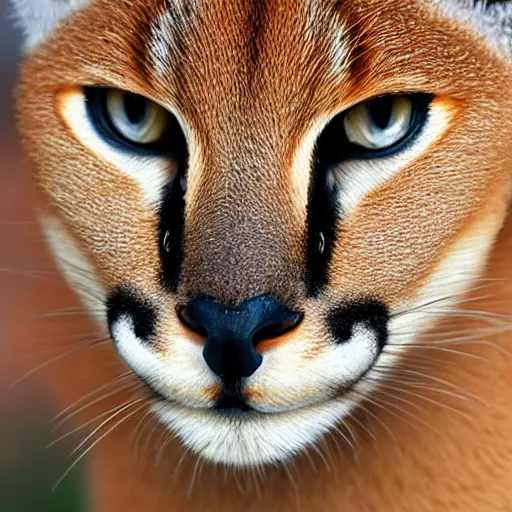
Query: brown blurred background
x=31, y=293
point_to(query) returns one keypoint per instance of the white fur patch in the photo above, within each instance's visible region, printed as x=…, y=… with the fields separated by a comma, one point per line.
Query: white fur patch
x=181, y=374
x=322, y=25
x=359, y=177
x=339, y=53
x=288, y=379
x=252, y=439
x=164, y=33
x=162, y=39
x=273, y=433
x=38, y=18
x=75, y=267
x=150, y=173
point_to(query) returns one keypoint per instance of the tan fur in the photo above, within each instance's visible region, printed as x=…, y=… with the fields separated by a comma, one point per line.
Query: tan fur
x=248, y=102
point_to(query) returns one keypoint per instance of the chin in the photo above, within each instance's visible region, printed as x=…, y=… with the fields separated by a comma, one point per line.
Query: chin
x=248, y=438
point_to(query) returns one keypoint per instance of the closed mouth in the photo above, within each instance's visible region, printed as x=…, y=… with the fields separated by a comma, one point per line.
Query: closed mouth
x=229, y=403
x=227, y=406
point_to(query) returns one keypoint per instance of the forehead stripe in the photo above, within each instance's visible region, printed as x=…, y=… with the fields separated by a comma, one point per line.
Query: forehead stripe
x=162, y=38
x=169, y=26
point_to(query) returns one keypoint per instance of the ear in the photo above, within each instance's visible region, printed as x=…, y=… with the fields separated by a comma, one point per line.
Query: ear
x=491, y=18
x=496, y=19
x=38, y=18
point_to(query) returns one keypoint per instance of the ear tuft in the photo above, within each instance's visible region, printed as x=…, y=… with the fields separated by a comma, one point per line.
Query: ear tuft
x=38, y=18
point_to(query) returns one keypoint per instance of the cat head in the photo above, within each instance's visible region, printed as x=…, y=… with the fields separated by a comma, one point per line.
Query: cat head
x=266, y=202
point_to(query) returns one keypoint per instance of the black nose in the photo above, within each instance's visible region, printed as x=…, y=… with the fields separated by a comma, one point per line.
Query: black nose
x=232, y=334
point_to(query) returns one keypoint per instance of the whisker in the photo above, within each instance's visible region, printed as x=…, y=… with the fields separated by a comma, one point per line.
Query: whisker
x=67, y=312
x=293, y=481
x=130, y=386
x=346, y=438
x=401, y=410
x=375, y=417
x=81, y=456
x=59, y=358
x=137, y=433
x=87, y=423
x=193, y=478
x=435, y=348
x=459, y=392
x=40, y=275
x=361, y=424
x=422, y=397
x=88, y=395
x=168, y=438
x=419, y=306
x=472, y=314
x=102, y=424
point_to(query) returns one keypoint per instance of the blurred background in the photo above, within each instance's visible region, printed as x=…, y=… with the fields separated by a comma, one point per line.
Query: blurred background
x=30, y=292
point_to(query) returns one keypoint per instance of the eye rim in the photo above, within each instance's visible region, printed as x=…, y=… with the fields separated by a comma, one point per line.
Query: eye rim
x=333, y=146
x=172, y=142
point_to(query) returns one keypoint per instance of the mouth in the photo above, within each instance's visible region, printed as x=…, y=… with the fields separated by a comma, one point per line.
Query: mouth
x=234, y=434
x=238, y=438
x=229, y=404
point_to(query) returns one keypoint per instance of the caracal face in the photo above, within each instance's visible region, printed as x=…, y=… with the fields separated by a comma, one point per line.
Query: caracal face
x=265, y=202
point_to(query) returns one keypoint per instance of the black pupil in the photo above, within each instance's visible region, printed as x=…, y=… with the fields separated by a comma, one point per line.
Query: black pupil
x=380, y=111
x=135, y=108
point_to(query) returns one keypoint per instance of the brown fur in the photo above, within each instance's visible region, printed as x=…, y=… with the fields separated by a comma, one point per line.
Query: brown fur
x=251, y=79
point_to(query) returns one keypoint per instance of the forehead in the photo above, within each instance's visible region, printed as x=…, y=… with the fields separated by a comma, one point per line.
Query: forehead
x=227, y=57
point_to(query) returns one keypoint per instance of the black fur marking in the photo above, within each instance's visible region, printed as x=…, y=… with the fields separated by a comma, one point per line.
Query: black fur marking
x=232, y=397
x=172, y=221
x=322, y=215
x=172, y=209
x=371, y=313
x=126, y=302
x=492, y=2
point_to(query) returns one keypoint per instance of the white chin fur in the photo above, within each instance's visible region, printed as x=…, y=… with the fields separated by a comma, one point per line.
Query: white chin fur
x=251, y=439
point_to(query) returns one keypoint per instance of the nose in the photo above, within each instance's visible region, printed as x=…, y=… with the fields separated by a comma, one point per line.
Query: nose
x=232, y=333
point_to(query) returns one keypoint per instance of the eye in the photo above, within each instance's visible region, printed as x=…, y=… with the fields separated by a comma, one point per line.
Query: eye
x=379, y=123
x=375, y=128
x=130, y=120
x=135, y=117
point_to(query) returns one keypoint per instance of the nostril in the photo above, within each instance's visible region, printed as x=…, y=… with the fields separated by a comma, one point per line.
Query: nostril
x=188, y=319
x=278, y=328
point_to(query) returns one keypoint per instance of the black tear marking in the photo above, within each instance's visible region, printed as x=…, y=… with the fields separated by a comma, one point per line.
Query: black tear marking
x=323, y=213
x=371, y=313
x=172, y=223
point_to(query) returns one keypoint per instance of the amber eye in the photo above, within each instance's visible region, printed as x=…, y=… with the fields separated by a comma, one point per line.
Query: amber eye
x=379, y=123
x=130, y=120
